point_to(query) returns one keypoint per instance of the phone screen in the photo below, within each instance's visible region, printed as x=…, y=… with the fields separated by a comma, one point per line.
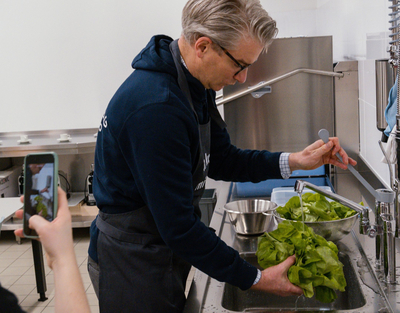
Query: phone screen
x=39, y=189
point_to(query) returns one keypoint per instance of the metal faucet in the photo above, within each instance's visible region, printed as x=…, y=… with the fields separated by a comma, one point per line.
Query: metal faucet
x=383, y=230
x=365, y=228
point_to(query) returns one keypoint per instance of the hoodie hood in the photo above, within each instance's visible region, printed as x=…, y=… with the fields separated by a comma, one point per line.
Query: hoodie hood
x=156, y=56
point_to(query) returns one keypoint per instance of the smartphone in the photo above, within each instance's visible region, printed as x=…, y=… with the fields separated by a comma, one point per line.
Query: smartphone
x=40, y=188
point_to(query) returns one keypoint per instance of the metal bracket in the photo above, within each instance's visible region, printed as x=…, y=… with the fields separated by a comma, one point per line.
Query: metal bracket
x=262, y=91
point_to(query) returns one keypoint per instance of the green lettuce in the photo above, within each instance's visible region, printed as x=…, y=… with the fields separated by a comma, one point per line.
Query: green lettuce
x=40, y=207
x=317, y=269
x=315, y=207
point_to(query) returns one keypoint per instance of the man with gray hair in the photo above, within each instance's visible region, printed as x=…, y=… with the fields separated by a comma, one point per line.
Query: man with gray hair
x=161, y=136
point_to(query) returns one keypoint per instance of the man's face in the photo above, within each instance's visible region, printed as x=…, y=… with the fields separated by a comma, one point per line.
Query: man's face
x=222, y=68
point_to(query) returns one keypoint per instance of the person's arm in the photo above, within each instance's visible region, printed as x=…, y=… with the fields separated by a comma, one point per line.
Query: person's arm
x=56, y=237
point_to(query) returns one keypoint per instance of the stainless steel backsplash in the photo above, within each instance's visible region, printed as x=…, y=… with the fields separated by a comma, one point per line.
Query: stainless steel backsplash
x=288, y=118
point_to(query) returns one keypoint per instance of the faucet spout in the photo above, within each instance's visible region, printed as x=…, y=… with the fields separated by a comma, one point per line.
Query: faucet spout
x=301, y=184
x=365, y=228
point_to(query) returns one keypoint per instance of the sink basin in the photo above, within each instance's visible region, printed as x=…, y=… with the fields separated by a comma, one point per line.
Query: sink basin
x=234, y=299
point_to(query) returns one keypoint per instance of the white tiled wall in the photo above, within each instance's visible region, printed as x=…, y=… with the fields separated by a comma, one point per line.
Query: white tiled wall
x=377, y=44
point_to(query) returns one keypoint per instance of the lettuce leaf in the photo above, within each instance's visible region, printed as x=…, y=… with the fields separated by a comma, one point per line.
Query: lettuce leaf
x=317, y=269
x=316, y=209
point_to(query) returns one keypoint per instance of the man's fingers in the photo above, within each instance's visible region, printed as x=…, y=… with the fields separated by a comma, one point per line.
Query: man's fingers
x=289, y=262
x=295, y=290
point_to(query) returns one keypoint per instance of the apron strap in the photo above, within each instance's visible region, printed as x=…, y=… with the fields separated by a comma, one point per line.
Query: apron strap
x=182, y=81
x=124, y=236
x=213, y=111
x=183, y=84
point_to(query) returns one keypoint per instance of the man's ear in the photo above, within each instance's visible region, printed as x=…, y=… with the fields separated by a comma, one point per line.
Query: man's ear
x=202, y=46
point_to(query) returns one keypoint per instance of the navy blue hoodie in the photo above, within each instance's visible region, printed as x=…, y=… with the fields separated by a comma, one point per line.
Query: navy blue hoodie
x=147, y=149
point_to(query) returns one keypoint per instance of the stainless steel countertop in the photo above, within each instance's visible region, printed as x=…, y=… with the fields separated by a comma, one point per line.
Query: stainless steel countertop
x=205, y=294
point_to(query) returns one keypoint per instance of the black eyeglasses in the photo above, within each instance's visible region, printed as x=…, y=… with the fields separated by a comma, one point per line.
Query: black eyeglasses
x=242, y=67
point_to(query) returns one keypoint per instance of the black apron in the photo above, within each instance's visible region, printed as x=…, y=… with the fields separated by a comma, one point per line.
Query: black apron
x=138, y=272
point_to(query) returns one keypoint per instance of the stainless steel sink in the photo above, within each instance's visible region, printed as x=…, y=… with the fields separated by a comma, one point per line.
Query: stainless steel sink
x=234, y=299
x=364, y=292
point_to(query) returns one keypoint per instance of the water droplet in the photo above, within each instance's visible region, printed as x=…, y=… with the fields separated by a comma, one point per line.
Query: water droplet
x=368, y=280
x=300, y=303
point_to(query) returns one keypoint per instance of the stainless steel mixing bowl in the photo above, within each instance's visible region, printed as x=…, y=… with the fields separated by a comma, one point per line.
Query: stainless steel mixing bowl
x=330, y=230
x=247, y=216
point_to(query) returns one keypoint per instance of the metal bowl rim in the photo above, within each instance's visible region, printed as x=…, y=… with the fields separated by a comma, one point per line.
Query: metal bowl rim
x=275, y=214
x=258, y=212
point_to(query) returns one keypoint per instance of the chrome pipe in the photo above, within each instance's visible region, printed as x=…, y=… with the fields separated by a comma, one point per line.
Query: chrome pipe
x=389, y=247
x=382, y=209
x=223, y=100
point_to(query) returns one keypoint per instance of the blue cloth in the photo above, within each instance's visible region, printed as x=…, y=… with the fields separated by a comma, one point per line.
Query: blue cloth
x=147, y=149
x=391, y=109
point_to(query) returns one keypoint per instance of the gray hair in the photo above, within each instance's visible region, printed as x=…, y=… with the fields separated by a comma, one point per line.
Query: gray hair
x=226, y=22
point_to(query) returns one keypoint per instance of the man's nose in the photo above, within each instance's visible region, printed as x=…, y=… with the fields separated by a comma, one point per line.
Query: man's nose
x=241, y=76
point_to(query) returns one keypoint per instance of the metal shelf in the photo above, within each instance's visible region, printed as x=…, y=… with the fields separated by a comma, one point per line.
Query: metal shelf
x=81, y=141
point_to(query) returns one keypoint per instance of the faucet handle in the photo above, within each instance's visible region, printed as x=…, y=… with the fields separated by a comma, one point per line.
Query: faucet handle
x=324, y=135
x=389, y=223
x=372, y=231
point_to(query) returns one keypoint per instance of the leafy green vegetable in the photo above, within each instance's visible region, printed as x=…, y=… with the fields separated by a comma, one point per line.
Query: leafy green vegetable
x=40, y=207
x=316, y=209
x=317, y=268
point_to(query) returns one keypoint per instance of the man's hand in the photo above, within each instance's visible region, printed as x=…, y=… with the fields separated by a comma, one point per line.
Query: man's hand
x=318, y=154
x=274, y=280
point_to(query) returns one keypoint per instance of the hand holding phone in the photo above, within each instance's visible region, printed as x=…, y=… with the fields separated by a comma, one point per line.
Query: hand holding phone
x=57, y=241
x=40, y=188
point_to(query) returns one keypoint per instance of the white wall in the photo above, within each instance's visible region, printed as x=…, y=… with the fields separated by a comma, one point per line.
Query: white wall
x=65, y=59
x=347, y=21
x=61, y=61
